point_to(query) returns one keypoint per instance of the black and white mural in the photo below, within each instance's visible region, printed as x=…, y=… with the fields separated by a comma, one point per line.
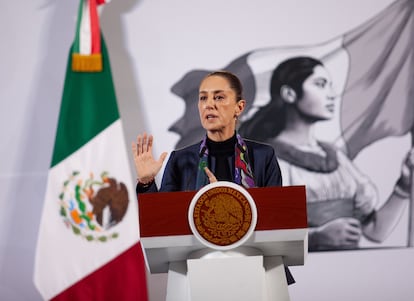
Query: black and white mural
x=358, y=87
x=327, y=83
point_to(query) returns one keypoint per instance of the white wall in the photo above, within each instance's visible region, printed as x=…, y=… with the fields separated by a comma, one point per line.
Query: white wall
x=152, y=44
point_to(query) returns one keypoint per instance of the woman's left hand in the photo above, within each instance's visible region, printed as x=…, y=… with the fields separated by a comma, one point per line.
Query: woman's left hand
x=211, y=177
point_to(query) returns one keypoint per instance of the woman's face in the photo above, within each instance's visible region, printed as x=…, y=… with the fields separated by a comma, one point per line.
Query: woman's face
x=318, y=98
x=218, y=107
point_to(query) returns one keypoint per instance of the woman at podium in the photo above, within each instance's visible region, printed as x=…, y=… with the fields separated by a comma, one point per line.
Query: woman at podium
x=223, y=155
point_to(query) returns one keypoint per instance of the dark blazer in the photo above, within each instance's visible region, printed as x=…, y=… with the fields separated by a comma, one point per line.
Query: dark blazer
x=180, y=173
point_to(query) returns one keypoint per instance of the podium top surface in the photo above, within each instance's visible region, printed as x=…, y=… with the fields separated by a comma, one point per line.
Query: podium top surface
x=281, y=228
x=165, y=213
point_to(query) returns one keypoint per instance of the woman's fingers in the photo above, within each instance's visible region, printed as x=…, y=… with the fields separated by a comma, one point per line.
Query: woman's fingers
x=149, y=144
x=138, y=145
x=143, y=144
x=211, y=177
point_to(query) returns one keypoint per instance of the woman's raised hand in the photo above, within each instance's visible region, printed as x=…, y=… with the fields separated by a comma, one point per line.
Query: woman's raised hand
x=145, y=165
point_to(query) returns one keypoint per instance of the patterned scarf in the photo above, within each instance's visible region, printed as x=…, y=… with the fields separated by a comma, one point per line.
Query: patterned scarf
x=242, y=174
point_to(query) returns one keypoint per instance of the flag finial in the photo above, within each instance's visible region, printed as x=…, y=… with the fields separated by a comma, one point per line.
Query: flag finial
x=87, y=55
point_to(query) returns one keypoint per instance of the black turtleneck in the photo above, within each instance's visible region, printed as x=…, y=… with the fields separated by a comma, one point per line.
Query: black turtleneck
x=222, y=153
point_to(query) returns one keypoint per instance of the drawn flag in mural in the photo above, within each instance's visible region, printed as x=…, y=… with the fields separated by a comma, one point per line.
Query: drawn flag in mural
x=378, y=97
x=89, y=245
x=372, y=71
x=371, y=67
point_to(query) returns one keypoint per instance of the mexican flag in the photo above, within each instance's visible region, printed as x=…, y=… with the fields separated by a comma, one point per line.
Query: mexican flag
x=89, y=245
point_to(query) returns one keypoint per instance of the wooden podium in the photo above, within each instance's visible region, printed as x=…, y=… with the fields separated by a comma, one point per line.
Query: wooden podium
x=253, y=271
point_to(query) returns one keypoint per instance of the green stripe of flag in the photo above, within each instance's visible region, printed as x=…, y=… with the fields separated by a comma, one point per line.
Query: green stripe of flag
x=76, y=46
x=88, y=107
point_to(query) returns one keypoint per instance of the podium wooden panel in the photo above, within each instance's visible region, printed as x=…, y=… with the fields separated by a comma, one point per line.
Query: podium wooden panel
x=281, y=228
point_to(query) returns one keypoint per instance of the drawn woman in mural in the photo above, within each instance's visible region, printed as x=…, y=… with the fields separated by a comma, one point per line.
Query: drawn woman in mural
x=342, y=202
